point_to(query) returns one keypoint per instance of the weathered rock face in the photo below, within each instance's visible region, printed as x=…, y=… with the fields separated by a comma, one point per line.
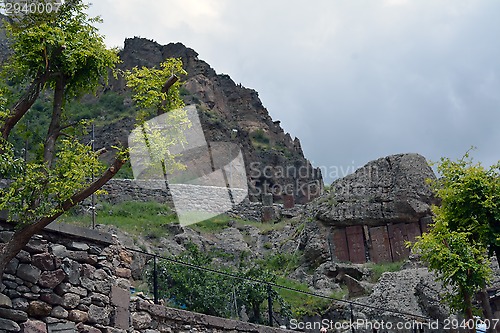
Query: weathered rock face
x=390, y=189
x=274, y=161
x=370, y=214
x=410, y=290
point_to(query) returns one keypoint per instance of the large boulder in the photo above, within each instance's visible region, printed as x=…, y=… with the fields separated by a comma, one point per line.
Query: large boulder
x=387, y=190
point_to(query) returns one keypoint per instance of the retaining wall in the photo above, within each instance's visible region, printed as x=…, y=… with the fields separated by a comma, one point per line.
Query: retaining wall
x=71, y=279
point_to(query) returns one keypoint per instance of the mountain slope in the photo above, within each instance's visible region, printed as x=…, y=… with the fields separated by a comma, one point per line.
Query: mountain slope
x=224, y=106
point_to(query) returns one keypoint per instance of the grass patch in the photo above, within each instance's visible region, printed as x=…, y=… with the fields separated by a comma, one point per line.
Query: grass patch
x=221, y=222
x=260, y=140
x=302, y=304
x=212, y=225
x=281, y=263
x=137, y=218
x=149, y=219
x=379, y=269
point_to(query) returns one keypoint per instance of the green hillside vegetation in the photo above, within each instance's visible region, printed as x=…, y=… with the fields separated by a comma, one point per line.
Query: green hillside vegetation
x=147, y=219
x=150, y=220
x=108, y=108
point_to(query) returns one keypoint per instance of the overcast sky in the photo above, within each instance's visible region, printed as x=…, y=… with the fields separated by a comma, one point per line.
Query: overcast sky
x=354, y=80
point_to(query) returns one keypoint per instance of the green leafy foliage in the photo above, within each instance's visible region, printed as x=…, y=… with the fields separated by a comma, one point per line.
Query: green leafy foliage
x=470, y=199
x=107, y=108
x=460, y=263
x=211, y=293
x=60, y=43
x=63, y=47
x=37, y=191
x=148, y=86
x=193, y=289
x=151, y=94
x=467, y=224
x=281, y=263
x=306, y=305
x=10, y=165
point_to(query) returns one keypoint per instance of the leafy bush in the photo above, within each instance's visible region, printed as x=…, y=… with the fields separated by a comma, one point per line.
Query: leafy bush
x=215, y=294
x=378, y=269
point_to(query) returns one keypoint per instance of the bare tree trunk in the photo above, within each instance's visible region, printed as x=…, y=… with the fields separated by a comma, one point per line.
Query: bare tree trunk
x=469, y=315
x=487, y=311
x=23, y=235
x=55, y=124
x=23, y=105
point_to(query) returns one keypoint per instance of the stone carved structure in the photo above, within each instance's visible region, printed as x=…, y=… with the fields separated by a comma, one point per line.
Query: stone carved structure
x=370, y=214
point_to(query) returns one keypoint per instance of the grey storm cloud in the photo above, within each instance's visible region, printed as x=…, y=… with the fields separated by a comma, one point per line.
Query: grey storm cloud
x=354, y=80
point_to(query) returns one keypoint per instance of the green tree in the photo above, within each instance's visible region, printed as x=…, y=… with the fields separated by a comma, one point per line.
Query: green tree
x=470, y=200
x=211, y=293
x=466, y=229
x=255, y=294
x=460, y=263
x=156, y=91
x=59, y=53
x=194, y=289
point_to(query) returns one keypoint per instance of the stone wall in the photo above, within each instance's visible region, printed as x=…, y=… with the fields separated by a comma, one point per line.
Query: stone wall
x=63, y=284
x=161, y=319
x=123, y=190
x=71, y=279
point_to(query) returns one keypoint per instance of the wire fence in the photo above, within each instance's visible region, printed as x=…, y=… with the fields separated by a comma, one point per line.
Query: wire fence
x=349, y=317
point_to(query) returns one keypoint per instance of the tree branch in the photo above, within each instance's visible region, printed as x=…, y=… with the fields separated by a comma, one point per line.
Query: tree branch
x=23, y=105
x=75, y=199
x=23, y=235
x=170, y=82
x=31, y=95
x=68, y=126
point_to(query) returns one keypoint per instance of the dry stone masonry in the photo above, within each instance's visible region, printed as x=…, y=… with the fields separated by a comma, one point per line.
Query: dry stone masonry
x=71, y=279
x=64, y=284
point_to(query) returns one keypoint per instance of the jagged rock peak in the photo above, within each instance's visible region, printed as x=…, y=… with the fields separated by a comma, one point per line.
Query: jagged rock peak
x=225, y=107
x=389, y=189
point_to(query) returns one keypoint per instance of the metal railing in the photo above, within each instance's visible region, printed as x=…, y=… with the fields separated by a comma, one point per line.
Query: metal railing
x=348, y=306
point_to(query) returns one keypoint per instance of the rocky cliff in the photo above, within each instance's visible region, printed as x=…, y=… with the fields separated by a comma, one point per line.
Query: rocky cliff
x=225, y=106
x=274, y=161
x=391, y=189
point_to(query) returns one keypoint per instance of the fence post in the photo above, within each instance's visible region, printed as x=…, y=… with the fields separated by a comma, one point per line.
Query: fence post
x=270, y=304
x=155, y=281
x=352, y=319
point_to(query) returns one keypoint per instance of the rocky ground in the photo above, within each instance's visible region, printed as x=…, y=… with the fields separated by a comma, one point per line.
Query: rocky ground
x=397, y=191
x=412, y=289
